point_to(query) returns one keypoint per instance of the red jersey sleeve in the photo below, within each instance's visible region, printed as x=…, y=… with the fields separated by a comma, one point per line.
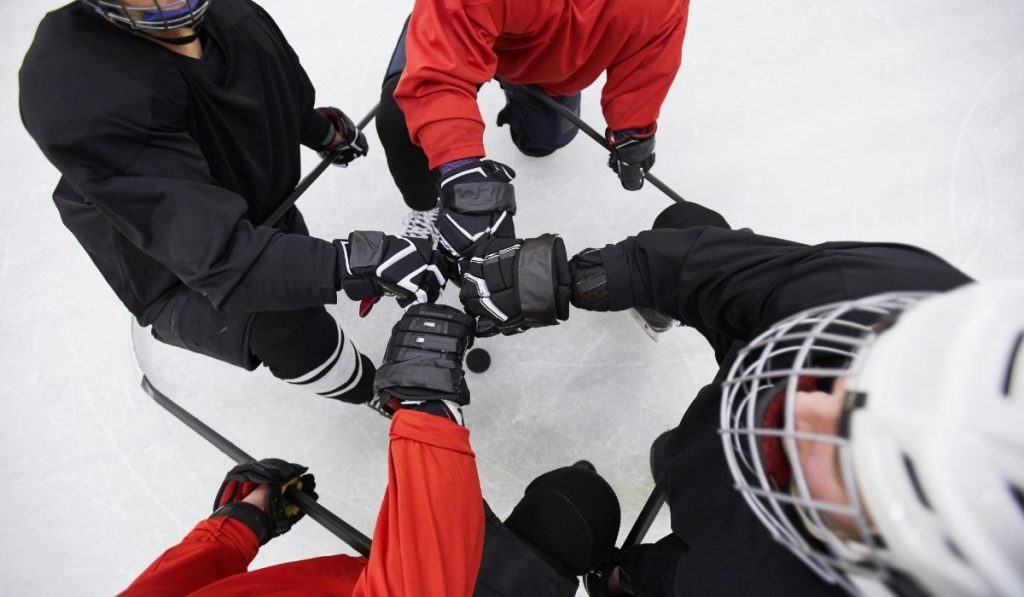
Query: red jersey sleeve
x=216, y=548
x=450, y=54
x=637, y=85
x=429, y=537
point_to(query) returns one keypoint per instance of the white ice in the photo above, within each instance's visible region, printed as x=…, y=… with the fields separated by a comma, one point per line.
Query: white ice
x=810, y=120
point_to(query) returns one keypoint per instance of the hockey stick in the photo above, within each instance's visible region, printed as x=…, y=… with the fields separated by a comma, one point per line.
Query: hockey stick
x=330, y=521
x=312, y=176
x=586, y=128
x=647, y=514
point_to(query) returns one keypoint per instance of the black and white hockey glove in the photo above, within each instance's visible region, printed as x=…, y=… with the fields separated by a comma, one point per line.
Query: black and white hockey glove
x=632, y=156
x=376, y=264
x=477, y=202
x=422, y=366
x=513, y=285
x=345, y=141
x=280, y=513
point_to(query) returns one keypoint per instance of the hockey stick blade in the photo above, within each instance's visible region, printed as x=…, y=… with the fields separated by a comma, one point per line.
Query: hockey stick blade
x=338, y=527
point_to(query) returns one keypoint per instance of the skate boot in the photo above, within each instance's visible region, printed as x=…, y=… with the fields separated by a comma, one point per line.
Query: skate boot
x=652, y=321
x=421, y=224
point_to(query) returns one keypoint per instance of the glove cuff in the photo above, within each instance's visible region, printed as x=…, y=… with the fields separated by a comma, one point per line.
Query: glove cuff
x=486, y=188
x=250, y=515
x=543, y=274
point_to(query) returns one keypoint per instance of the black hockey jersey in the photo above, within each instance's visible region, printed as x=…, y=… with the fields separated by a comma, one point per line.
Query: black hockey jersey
x=731, y=286
x=168, y=162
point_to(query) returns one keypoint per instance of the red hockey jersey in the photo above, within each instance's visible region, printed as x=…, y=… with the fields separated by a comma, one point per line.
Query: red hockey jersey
x=562, y=46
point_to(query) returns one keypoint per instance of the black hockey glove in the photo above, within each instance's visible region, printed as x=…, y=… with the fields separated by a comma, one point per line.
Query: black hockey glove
x=422, y=366
x=375, y=264
x=477, y=202
x=346, y=142
x=513, y=285
x=280, y=513
x=632, y=156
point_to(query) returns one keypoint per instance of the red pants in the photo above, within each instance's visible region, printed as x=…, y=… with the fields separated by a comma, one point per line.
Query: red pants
x=428, y=540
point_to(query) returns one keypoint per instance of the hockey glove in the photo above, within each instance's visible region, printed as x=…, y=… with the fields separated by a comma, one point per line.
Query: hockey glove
x=280, y=513
x=477, y=202
x=632, y=156
x=374, y=264
x=513, y=285
x=346, y=143
x=422, y=366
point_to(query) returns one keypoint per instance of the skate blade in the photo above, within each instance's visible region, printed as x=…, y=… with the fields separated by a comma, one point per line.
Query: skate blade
x=651, y=333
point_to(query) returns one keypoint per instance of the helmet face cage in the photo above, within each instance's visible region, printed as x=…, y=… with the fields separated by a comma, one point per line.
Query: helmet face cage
x=818, y=346
x=156, y=15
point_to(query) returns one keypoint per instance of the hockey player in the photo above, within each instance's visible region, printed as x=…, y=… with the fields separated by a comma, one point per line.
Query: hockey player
x=431, y=128
x=864, y=422
x=433, y=529
x=176, y=126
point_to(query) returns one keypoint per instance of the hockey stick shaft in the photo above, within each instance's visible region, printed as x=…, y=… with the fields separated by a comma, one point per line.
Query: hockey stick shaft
x=330, y=521
x=310, y=178
x=645, y=519
x=596, y=136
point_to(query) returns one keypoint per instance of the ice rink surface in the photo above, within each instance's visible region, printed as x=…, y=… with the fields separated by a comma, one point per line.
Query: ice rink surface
x=809, y=120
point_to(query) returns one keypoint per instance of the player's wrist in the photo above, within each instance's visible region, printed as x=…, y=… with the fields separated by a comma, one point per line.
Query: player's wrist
x=251, y=515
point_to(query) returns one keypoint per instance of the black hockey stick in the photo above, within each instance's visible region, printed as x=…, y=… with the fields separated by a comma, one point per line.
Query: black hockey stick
x=330, y=521
x=312, y=176
x=648, y=513
x=596, y=136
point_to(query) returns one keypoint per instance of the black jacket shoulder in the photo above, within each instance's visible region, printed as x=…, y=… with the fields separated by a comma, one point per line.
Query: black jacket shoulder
x=72, y=102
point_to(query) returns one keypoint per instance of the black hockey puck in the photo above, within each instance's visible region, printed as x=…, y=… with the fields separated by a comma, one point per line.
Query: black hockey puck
x=478, y=360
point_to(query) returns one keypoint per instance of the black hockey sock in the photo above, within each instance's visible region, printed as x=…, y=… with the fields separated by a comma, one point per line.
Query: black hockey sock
x=406, y=160
x=308, y=349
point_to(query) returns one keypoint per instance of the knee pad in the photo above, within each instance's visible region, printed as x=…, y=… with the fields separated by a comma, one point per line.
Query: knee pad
x=689, y=215
x=536, y=129
x=572, y=515
x=307, y=348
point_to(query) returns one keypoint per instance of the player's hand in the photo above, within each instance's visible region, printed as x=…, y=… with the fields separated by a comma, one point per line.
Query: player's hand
x=245, y=482
x=422, y=366
x=376, y=264
x=348, y=142
x=632, y=156
x=477, y=203
x=513, y=285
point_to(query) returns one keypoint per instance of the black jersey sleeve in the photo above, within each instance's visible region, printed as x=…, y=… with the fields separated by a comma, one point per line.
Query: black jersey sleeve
x=737, y=282
x=166, y=203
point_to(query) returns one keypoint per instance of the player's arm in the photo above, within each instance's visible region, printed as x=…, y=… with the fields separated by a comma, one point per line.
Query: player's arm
x=632, y=96
x=735, y=282
x=250, y=509
x=430, y=530
x=167, y=204
x=450, y=54
x=728, y=281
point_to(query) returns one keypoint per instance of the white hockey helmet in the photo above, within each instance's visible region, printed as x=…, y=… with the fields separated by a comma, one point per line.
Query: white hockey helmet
x=152, y=15
x=930, y=445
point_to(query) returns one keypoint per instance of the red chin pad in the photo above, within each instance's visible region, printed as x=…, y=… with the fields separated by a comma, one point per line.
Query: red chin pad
x=773, y=456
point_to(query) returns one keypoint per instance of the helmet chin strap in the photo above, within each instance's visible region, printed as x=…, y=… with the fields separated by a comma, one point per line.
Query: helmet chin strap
x=174, y=41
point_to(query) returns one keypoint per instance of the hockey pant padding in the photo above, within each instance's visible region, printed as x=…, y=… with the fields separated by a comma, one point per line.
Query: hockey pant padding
x=189, y=321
